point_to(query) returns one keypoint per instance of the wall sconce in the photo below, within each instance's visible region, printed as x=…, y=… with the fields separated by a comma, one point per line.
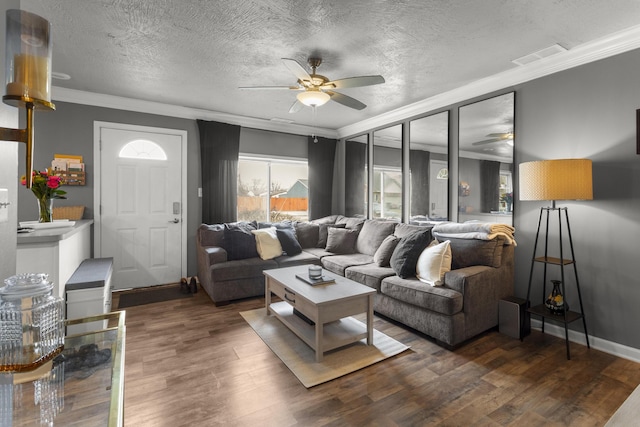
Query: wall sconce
x=28, y=75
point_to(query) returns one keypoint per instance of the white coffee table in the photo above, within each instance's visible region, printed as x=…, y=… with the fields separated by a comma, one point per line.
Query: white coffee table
x=328, y=306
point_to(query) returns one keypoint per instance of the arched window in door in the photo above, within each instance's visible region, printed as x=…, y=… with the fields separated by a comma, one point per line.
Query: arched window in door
x=142, y=149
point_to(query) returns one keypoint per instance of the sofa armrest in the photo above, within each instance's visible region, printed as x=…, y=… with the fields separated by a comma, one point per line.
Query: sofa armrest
x=482, y=288
x=215, y=254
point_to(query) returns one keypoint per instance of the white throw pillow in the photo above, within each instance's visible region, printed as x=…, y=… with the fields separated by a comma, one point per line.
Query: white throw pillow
x=433, y=262
x=267, y=243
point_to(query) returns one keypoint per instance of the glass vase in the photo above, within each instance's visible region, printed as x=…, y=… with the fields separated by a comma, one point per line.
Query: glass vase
x=45, y=208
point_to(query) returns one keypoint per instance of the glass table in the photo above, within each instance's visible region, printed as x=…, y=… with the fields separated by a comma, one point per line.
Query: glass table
x=82, y=386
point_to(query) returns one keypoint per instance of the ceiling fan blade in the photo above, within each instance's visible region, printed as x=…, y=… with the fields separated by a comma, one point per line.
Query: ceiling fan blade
x=354, y=82
x=347, y=101
x=297, y=69
x=487, y=141
x=297, y=106
x=271, y=87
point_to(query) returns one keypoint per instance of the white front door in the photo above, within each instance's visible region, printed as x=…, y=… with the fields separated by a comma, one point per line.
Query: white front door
x=140, y=205
x=438, y=189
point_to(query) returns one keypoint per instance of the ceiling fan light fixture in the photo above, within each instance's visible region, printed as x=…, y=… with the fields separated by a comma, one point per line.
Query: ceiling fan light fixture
x=313, y=98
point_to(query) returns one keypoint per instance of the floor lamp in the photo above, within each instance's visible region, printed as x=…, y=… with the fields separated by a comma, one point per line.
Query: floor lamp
x=564, y=179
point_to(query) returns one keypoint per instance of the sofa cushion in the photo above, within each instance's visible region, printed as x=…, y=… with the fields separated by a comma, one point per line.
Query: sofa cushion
x=382, y=257
x=468, y=252
x=369, y=274
x=239, y=242
x=373, y=232
x=433, y=263
x=279, y=225
x=341, y=240
x=405, y=255
x=303, y=258
x=351, y=222
x=211, y=235
x=307, y=234
x=338, y=263
x=329, y=219
x=267, y=243
x=403, y=230
x=288, y=241
x=241, y=269
x=412, y=291
x=317, y=252
x=323, y=233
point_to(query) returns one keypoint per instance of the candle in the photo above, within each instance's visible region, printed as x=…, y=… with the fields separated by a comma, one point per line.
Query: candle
x=30, y=77
x=315, y=271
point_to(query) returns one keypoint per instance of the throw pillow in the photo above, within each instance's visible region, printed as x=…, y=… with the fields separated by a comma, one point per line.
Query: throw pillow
x=307, y=234
x=384, y=252
x=288, y=241
x=267, y=243
x=323, y=232
x=434, y=262
x=341, y=240
x=239, y=242
x=405, y=255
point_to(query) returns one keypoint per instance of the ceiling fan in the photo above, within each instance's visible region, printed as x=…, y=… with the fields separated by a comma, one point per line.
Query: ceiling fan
x=506, y=137
x=316, y=90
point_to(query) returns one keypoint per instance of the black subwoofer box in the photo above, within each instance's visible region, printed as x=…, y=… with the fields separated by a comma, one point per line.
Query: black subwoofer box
x=513, y=318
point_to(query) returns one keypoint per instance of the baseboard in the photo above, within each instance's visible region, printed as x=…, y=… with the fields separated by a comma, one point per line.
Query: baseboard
x=619, y=350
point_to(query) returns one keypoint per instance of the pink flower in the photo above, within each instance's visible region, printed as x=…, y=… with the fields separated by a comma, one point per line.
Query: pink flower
x=53, y=182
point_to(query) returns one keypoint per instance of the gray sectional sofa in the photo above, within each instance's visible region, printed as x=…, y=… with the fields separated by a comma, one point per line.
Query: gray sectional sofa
x=466, y=304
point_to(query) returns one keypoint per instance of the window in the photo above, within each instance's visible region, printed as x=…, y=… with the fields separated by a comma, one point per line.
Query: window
x=272, y=189
x=506, y=191
x=143, y=149
x=387, y=193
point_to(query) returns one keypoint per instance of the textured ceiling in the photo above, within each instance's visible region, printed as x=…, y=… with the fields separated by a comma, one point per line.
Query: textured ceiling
x=196, y=53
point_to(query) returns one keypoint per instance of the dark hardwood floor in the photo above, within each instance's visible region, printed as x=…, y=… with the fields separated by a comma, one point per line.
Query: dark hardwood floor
x=189, y=363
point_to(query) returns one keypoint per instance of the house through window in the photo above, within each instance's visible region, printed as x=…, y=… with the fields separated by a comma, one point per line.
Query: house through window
x=387, y=193
x=272, y=189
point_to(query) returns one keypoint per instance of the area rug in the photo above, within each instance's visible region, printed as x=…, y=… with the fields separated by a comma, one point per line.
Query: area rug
x=300, y=358
x=151, y=295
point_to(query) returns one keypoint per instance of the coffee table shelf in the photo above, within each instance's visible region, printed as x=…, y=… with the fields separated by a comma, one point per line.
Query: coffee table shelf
x=335, y=334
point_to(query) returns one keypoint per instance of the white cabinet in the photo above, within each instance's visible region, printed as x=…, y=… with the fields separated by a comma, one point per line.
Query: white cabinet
x=88, y=293
x=54, y=251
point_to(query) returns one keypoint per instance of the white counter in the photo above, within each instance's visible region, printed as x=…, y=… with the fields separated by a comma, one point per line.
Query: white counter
x=55, y=251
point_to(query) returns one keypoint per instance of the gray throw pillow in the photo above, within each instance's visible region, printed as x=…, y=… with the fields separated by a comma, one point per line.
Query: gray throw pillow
x=239, y=242
x=323, y=233
x=307, y=234
x=341, y=240
x=288, y=241
x=382, y=257
x=405, y=255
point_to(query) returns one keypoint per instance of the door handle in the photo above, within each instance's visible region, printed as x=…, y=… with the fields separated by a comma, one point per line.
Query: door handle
x=175, y=221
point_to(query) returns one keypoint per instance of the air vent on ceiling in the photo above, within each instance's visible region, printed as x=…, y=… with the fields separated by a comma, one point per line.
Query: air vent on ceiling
x=543, y=53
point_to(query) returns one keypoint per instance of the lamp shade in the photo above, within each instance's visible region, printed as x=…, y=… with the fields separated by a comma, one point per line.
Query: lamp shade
x=563, y=179
x=313, y=98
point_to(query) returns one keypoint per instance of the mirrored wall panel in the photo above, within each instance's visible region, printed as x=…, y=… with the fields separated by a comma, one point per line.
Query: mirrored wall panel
x=429, y=169
x=356, y=176
x=387, y=173
x=486, y=140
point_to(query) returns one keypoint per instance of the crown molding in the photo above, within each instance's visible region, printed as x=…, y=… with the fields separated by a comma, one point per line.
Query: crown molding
x=151, y=107
x=612, y=44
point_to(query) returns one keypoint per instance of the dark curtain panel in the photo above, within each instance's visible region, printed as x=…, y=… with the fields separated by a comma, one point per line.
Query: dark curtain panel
x=490, y=185
x=419, y=166
x=219, y=148
x=354, y=174
x=321, y=160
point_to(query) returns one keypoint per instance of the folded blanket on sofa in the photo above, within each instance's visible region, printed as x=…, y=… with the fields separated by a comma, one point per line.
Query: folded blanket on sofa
x=474, y=230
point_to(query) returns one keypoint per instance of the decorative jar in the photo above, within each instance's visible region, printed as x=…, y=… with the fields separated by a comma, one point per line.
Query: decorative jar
x=555, y=301
x=31, y=322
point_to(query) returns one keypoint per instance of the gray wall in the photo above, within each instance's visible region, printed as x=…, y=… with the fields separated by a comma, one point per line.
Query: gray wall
x=8, y=166
x=69, y=130
x=589, y=112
